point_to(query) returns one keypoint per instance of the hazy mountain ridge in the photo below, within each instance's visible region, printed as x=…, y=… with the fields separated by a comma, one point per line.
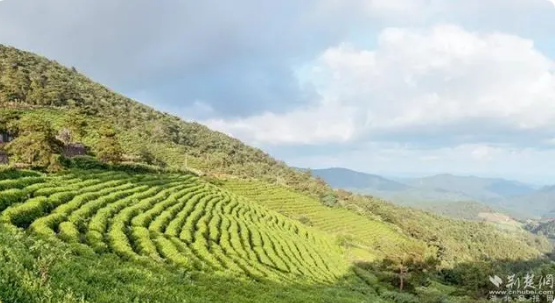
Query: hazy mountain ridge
x=512, y=197
x=345, y=178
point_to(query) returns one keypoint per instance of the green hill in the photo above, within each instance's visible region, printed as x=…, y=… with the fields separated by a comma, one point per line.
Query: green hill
x=192, y=215
x=33, y=85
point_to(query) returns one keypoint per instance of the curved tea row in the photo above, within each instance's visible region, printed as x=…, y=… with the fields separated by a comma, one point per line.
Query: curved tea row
x=170, y=218
x=374, y=236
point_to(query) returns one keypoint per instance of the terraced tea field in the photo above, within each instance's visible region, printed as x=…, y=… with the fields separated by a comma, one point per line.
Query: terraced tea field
x=367, y=235
x=176, y=219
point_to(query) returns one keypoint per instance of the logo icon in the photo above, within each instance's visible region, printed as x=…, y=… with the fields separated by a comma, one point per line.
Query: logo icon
x=496, y=281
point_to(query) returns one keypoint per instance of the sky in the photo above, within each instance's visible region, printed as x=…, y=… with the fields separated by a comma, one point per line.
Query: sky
x=393, y=87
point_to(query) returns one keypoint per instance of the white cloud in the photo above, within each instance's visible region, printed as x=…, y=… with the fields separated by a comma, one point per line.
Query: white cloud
x=485, y=153
x=416, y=78
x=329, y=121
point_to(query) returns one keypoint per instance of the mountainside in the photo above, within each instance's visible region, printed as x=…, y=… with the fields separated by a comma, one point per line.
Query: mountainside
x=193, y=215
x=33, y=85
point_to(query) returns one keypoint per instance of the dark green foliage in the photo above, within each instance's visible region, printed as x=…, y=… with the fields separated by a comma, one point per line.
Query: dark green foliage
x=137, y=168
x=76, y=122
x=91, y=163
x=108, y=149
x=329, y=199
x=22, y=215
x=400, y=297
x=35, y=143
x=85, y=162
x=10, y=197
x=7, y=172
x=147, y=157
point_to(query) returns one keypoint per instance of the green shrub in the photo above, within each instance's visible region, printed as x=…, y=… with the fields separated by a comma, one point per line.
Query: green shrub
x=132, y=167
x=24, y=214
x=9, y=172
x=305, y=220
x=400, y=297
x=329, y=199
x=10, y=197
x=86, y=162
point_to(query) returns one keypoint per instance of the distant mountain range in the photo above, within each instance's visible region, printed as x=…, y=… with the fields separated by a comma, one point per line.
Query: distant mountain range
x=512, y=197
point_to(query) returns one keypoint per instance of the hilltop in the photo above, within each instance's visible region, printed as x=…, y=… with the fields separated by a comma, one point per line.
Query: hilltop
x=164, y=210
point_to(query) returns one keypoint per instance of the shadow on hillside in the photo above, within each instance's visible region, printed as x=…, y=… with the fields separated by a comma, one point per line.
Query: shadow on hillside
x=467, y=281
x=108, y=278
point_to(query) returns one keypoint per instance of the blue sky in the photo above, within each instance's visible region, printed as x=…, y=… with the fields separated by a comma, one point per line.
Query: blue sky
x=383, y=86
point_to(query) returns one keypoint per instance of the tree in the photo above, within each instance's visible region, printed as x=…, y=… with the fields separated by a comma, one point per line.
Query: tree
x=15, y=84
x=158, y=134
x=76, y=122
x=147, y=157
x=108, y=148
x=35, y=143
x=8, y=121
x=329, y=199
